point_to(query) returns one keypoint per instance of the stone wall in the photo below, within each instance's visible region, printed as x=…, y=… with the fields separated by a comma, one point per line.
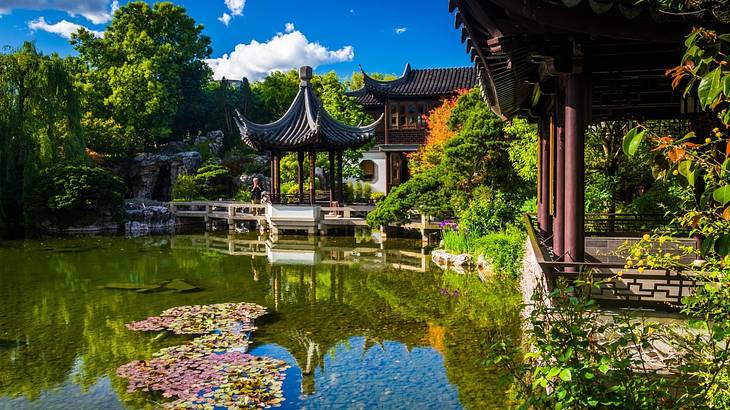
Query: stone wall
x=532, y=279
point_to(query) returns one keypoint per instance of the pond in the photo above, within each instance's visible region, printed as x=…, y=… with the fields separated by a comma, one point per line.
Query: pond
x=362, y=325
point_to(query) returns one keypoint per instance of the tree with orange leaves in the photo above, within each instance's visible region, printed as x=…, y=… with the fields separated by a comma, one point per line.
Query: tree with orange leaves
x=437, y=133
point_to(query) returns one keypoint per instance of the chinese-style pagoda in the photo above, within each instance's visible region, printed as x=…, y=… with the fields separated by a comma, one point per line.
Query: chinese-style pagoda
x=306, y=128
x=404, y=102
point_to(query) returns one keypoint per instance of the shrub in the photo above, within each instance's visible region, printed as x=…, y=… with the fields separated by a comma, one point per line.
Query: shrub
x=357, y=190
x=504, y=250
x=376, y=197
x=243, y=195
x=491, y=211
x=185, y=188
x=76, y=194
x=214, y=181
x=367, y=191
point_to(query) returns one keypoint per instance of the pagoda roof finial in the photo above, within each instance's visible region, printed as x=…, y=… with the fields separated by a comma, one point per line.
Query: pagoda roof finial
x=305, y=75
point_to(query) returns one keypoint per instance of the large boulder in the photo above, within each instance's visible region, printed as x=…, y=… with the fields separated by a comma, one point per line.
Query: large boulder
x=152, y=176
x=145, y=216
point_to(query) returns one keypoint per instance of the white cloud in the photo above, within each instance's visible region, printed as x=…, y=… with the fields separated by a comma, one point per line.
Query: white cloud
x=401, y=30
x=289, y=27
x=236, y=9
x=96, y=11
x=285, y=51
x=236, y=6
x=225, y=19
x=63, y=28
x=352, y=11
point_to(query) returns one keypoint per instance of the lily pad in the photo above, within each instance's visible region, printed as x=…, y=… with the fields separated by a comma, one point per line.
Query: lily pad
x=180, y=285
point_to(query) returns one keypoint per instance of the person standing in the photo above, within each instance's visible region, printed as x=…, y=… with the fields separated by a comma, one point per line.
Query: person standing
x=256, y=194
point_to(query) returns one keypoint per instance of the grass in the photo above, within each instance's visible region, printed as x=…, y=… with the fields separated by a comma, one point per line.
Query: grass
x=503, y=249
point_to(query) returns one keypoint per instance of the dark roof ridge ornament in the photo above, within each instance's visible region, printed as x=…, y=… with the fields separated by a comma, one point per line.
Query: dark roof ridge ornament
x=305, y=75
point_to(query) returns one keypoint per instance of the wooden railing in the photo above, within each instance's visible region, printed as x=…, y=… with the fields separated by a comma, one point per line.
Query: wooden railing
x=627, y=224
x=657, y=288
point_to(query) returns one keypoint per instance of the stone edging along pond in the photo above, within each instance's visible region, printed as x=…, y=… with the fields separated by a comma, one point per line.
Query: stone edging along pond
x=462, y=263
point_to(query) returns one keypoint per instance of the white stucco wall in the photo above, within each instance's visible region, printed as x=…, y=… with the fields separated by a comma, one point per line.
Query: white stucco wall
x=379, y=181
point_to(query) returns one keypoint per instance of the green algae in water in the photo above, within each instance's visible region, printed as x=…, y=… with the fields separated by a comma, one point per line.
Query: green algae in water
x=362, y=333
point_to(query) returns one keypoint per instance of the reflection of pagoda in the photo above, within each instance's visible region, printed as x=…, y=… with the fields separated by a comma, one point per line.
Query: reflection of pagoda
x=299, y=292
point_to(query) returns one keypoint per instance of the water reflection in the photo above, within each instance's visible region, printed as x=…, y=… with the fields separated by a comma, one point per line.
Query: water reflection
x=363, y=324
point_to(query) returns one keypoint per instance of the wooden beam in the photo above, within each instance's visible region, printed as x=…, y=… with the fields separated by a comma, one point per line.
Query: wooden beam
x=331, y=178
x=559, y=194
x=543, y=179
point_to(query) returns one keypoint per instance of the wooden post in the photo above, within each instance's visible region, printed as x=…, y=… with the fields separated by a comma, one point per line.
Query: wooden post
x=574, y=168
x=559, y=194
x=312, y=161
x=340, y=188
x=278, y=175
x=300, y=175
x=271, y=180
x=543, y=180
x=332, y=184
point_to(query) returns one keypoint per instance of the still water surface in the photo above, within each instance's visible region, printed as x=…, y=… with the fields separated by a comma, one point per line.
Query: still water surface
x=362, y=325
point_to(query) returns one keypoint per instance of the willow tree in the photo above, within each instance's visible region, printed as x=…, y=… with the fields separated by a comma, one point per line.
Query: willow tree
x=39, y=125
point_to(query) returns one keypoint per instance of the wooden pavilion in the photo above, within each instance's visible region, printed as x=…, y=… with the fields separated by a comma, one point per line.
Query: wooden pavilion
x=564, y=64
x=306, y=128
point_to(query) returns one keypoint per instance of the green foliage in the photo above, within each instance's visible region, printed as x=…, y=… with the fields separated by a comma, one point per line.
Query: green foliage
x=522, y=152
x=503, y=250
x=426, y=192
x=74, y=194
x=243, y=195
x=376, y=197
x=185, y=188
x=475, y=167
x=39, y=126
x=214, y=181
x=144, y=77
x=581, y=358
x=491, y=211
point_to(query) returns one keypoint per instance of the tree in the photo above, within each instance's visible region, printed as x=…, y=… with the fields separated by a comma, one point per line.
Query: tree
x=437, y=133
x=473, y=167
x=144, y=78
x=39, y=125
x=356, y=81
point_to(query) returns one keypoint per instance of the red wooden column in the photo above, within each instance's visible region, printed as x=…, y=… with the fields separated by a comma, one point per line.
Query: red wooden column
x=300, y=175
x=277, y=180
x=574, y=168
x=544, y=222
x=271, y=172
x=559, y=172
x=312, y=161
x=340, y=182
x=332, y=184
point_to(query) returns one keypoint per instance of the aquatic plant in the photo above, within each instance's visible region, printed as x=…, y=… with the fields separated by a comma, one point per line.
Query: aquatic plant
x=212, y=370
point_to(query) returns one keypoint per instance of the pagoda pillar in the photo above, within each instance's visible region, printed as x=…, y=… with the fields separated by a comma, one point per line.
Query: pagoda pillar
x=312, y=161
x=271, y=172
x=340, y=190
x=543, y=178
x=559, y=175
x=332, y=184
x=574, y=168
x=300, y=175
x=277, y=178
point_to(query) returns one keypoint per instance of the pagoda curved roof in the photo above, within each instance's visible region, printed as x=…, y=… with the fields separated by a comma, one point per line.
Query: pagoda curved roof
x=429, y=82
x=305, y=126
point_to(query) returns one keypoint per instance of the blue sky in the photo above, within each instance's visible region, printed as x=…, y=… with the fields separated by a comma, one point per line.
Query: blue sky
x=262, y=35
